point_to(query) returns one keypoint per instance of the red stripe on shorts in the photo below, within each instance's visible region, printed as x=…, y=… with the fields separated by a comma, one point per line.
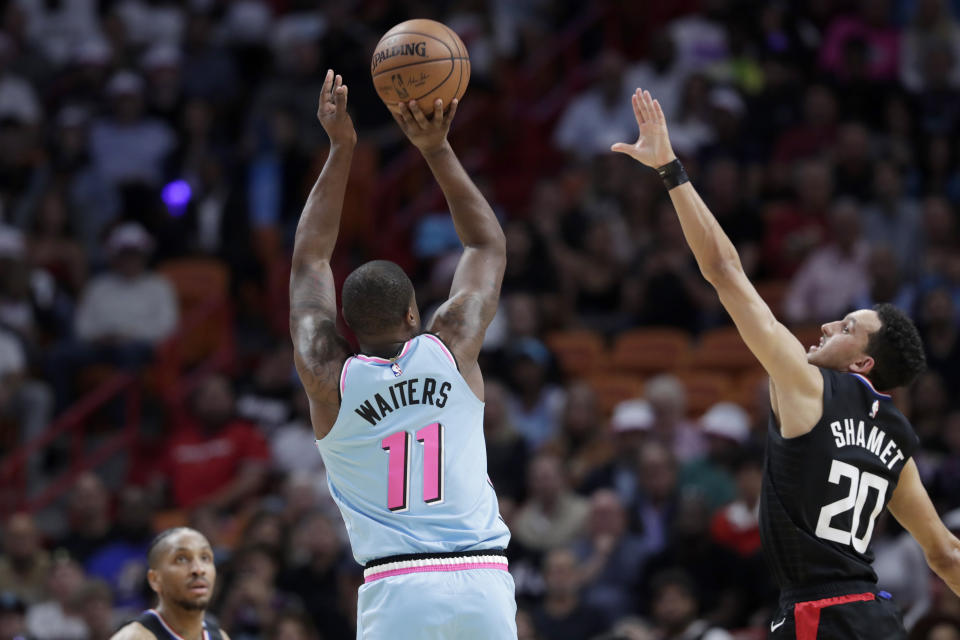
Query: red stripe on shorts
x=806, y=615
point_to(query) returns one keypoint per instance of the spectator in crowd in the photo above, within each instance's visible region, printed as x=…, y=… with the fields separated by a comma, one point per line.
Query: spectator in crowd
x=582, y=441
x=265, y=399
x=26, y=404
x=654, y=508
x=726, y=427
x=535, y=404
x=886, y=282
x=833, y=276
x=311, y=571
x=611, y=558
x=250, y=598
x=659, y=72
x=938, y=323
x=899, y=563
x=598, y=117
x=58, y=617
x=932, y=22
x=293, y=443
x=507, y=453
x=668, y=400
x=552, y=515
x=870, y=25
x=676, y=609
x=213, y=458
x=24, y=564
x=292, y=624
x=813, y=135
x=94, y=601
x=53, y=248
x=945, y=487
x=563, y=615
x=890, y=219
x=737, y=525
x=88, y=517
x=630, y=423
x=123, y=313
x=129, y=146
x=13, y=619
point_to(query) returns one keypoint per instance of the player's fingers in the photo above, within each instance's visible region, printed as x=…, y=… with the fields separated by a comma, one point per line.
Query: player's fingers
x=340, y=96
x=659, y=110
x=453, y=110
x=327, y=84
x=438, y=112
x=337, y=82
x=645, y=106
x=635, y=101
x=403, y=114
x=623, y=147
x=417, y=114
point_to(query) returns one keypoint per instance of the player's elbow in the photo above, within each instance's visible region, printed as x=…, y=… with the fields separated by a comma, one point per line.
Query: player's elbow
x=721, y=272
x=944, y=559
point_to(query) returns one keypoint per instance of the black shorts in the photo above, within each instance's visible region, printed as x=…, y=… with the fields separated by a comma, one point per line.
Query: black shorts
x=838, y=612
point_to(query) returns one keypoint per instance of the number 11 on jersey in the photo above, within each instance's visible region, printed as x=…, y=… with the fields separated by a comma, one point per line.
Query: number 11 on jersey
x=397, y=446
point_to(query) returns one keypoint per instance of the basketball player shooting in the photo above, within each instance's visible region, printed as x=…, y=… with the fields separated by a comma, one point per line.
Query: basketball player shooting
x=838, y=450
x=400, y=425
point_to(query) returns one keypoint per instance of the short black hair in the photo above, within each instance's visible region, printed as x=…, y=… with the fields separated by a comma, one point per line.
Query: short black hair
x=376, y=297
x=158, y=544
x=896, y=349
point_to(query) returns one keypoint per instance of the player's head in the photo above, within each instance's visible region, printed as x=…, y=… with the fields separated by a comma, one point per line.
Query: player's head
x=181, y=570
x=880, y=343
x=379, y=303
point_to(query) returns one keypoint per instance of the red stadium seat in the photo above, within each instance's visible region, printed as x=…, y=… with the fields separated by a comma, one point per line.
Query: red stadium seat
x=651, y=350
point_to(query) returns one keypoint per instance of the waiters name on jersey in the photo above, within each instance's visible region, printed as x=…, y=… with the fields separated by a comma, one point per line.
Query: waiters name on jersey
x=850, y=432
x=402, y=394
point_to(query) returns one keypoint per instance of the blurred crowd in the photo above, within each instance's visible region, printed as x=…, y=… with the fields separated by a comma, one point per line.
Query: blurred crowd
x=136, y=133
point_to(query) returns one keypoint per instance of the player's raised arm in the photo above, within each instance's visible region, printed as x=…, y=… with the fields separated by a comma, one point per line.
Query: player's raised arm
x=318, y=348
x=463, y=319
x=799, y=383
x=912, y=508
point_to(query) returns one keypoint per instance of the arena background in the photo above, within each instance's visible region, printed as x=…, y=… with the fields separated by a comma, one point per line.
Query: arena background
x=154, y=157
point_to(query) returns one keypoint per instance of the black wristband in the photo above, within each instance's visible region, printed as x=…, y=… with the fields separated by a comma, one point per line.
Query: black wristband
x=673, y=174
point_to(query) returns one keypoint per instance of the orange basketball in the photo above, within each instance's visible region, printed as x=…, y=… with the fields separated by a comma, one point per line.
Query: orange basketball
x=420, y=60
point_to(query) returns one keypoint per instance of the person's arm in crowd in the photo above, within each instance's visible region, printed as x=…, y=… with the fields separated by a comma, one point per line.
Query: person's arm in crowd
x=912, y=508
x=319, y=349
x=463, y=319
x=799, y=384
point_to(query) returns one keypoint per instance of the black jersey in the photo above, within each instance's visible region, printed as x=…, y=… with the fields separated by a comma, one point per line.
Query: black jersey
x=823, y=491
x=156, y=625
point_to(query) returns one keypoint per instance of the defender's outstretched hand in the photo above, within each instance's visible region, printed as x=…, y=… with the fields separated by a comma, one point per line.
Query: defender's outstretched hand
x=332, y=111
x=652, y=147
x=427, y=135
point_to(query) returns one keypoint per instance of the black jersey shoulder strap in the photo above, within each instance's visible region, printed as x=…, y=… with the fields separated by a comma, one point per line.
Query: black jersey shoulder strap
x=151, y=622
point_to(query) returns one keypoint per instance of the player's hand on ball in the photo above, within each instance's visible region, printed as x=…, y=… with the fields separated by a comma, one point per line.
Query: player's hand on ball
x=427, y=135
x=332, y=111
x=652, y=147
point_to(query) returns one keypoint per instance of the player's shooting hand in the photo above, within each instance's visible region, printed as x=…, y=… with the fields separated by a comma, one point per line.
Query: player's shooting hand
x=427, y=135
x=332, y=111
x=652, y=147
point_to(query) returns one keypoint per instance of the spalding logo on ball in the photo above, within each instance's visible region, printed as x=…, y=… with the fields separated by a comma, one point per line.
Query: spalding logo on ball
x=420, y=60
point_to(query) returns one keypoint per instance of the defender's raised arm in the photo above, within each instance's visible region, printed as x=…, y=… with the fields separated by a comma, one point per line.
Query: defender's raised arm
x=319, y=350
x=463, y=319
x=780, y=353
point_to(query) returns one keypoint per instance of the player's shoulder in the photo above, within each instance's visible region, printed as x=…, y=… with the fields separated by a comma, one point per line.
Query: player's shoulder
x=133, y=631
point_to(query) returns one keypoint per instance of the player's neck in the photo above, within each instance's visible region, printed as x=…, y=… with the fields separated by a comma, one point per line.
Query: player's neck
x=388, y=348
x=186, y=623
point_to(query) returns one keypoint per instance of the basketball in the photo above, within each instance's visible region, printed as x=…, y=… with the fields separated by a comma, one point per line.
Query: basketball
x=420, y=60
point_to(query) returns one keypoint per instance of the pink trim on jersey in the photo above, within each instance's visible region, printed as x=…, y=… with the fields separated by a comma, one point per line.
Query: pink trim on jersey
x=503, y=566
x=379, y=360
x=870, y=384
x=343, y=374
x=453, y=360
x=163, y=622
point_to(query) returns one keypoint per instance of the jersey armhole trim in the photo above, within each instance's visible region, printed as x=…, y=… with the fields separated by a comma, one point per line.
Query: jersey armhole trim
x=343, y=377
x=444, y=348
x=865, y=380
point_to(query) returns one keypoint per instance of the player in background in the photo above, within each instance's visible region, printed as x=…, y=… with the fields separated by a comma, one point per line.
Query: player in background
x=182, y=574
x=400, y=425
x=838, y=450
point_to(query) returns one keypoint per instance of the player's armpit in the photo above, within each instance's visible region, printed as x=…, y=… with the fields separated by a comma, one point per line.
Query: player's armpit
x=911, y=506
x=797, y=383
x=462, y=321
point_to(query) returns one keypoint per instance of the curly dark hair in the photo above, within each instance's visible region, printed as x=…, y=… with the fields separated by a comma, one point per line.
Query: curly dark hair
x=896, y=350
x=376, y=296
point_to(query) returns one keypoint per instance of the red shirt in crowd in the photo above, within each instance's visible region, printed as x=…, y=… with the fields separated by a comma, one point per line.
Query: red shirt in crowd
x=198, y=464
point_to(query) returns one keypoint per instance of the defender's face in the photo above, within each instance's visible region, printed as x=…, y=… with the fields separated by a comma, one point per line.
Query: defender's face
x=844, y=342
x=185, y=574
